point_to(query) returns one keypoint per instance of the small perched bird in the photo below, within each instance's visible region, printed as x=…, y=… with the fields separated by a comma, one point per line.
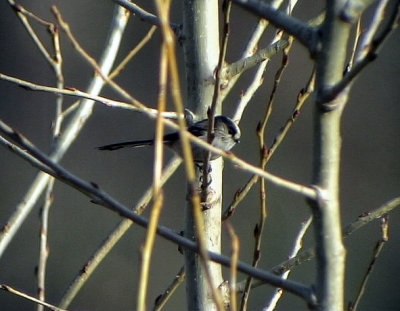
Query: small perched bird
x=226, y=135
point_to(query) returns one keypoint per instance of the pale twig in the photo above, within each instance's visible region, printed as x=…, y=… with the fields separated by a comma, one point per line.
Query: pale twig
x=377, y=251
x=22, y=14
x=100, y=197
x=249, y=62
x=136, y=106
x=30, y=298
x=233, y=268
x=157, y=190
x=56, y=64
x=258, y=80
x=161, y=300
x=298, y=244
x=368, y=35
x=132, y=53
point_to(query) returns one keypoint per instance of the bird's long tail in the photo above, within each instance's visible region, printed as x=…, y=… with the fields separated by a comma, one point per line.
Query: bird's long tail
x=127, y=144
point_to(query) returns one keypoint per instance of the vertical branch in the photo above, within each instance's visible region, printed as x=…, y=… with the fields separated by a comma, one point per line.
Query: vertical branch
x=233, y=267
x=330, y=251
x=158, y=194
x=56, y=64
x=201, y=51
x=216, y=99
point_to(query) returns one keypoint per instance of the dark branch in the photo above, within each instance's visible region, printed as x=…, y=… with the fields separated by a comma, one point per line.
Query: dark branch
x=100, y=197
x=303, y=32
x=147, y=16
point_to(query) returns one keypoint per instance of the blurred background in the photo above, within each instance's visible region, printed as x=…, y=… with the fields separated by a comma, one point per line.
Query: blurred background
x=370, y=164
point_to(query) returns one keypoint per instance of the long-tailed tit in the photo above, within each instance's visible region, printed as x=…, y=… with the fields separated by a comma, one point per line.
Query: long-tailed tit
x=226, y=135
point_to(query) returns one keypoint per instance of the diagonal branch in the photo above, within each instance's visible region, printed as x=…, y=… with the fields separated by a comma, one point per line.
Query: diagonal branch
x=147, y=16
x=296, y=28
x=102, y=198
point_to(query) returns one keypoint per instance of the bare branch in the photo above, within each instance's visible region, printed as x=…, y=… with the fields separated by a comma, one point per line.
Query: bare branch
x=30, y=298
x=244, y=64
x=146, y=16
x=100, y=197
x=162, y=299
x=377, y=251
x=294, y=27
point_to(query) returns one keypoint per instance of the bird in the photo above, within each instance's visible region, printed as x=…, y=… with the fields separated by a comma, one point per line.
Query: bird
x=226, y=136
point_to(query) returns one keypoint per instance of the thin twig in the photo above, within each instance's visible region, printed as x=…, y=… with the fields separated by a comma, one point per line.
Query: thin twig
x=259, y=228
x=249, y=62
x=157, y=190
x=243, y=191
x=298, y=244
x=56, y=64
x=22, y=14
x=377, y=251
x=161, y=300
x=132, y=53
x=30, y=298
x=233, y=268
